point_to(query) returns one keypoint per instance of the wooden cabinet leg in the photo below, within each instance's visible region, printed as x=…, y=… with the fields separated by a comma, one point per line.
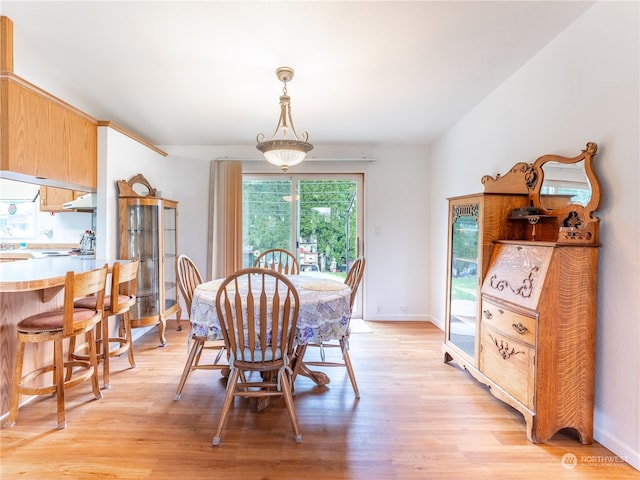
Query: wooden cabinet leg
x=162, y=327
x=178, y=315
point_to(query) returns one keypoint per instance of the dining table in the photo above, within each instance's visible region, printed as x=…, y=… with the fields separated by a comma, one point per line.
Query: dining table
x=324, y=313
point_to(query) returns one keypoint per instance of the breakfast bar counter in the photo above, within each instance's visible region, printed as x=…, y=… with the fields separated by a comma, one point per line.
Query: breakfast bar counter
x=28, y=287
x=41, y=273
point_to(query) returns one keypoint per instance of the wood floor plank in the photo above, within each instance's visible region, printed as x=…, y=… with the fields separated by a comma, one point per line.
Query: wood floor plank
x=417, y=418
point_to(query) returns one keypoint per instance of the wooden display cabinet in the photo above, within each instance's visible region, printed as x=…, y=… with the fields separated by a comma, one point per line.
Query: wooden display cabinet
x=532, y=337
x=148, y=231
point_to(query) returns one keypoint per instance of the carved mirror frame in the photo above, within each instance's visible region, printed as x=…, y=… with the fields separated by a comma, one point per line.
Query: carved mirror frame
x=136, y=186
x=576, y=222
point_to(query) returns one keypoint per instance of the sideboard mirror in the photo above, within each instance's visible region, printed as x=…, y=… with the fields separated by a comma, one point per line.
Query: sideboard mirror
x=568, y=190
x=564, y=184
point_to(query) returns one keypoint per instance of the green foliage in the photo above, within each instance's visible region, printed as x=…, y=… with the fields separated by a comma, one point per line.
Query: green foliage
x=465, y=238
x=464, y=288
x=464, y=260
x=266, y=215
x=326, y=213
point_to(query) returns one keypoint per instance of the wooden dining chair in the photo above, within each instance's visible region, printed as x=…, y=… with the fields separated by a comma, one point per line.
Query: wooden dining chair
x=121, y=297
x=278, y=259
x=189, y=278
x=57, y=326
x=257, y=310
x=353, y=279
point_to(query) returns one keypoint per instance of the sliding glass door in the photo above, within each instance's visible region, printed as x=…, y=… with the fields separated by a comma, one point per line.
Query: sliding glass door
x=319, y=217
x=267, y=216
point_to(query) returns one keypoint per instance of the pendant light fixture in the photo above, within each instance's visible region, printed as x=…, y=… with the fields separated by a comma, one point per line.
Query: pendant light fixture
x=288, y=149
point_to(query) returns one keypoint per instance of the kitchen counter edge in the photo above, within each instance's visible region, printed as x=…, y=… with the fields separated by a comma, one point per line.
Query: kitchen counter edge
x=40, y=273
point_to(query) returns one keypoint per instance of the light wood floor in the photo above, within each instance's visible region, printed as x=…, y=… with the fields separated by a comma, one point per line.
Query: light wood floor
x=418, y=418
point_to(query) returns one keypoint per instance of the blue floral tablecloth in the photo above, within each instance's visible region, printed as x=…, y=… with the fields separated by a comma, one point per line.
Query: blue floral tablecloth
x=324, y=309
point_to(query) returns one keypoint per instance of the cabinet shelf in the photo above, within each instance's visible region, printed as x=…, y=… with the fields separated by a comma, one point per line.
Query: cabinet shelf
x=533, y=220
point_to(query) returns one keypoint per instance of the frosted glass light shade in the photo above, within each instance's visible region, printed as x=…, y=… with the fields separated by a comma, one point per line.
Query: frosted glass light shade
x=284, y=153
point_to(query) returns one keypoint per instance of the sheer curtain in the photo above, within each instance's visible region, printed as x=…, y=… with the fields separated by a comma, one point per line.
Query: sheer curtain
x=225, y=212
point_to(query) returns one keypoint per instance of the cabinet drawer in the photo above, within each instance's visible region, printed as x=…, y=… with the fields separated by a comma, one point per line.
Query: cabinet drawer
x=512, y=324
x=508, y=363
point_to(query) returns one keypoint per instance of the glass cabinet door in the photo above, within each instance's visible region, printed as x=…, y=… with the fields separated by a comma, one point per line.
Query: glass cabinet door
x=148, y=231
x=170, y=254
x=142, y=235
x=463, y=274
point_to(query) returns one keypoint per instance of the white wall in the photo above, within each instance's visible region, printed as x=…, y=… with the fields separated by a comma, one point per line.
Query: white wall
x=584, y=86
x=396, y=222
x=188, y=177
x=119, y=158
x=66, y=227
x=396, y=234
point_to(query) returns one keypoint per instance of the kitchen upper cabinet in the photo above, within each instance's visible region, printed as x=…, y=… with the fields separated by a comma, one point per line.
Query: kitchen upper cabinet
x=44, y=137
x=52, y=198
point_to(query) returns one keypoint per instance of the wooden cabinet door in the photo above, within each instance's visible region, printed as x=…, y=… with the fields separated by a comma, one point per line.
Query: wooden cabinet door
x=24, y=115
x=52, y=199
x=45, y=137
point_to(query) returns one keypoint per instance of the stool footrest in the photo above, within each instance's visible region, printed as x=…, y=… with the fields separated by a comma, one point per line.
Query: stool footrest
x=82, y=372
x=124, y=346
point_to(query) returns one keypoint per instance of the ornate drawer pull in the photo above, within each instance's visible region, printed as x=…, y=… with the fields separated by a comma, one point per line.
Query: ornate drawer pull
x=487, y=314
x=520, y=328
x=503, y=348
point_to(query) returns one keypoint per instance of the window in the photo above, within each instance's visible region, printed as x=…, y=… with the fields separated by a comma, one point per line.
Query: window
x=18, y=220
x=319, y=217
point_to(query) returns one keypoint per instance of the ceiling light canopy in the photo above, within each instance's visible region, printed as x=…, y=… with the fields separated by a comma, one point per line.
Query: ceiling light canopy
x=288, y=149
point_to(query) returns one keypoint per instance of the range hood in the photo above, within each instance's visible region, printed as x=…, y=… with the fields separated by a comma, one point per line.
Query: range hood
x=84, y=202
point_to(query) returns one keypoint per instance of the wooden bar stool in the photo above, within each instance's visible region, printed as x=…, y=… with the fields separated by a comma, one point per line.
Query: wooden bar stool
x=54, y=327
x=121, y=298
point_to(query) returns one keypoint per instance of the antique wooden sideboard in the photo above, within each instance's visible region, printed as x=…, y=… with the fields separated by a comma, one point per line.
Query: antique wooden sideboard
x=521, y=290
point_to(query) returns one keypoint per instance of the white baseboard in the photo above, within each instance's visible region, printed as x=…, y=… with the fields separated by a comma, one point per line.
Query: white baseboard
x=385, y=317
x=622, y=450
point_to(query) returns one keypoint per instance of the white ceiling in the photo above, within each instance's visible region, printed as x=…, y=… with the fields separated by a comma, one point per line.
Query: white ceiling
x=203, y=72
